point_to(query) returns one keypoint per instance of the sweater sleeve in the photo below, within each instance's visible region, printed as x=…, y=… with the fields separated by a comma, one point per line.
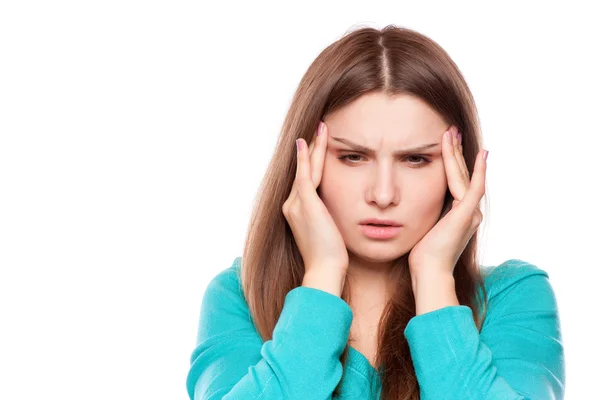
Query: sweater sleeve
x=517, y=355
x=301, y=361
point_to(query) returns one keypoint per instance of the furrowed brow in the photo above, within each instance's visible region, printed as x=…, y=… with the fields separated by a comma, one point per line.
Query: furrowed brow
x=366, y=150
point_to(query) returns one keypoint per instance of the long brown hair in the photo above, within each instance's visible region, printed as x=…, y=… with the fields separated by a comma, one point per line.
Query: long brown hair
x=393, y=61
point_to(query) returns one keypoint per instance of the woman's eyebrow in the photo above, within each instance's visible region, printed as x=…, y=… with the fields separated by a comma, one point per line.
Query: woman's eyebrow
x=366, y=150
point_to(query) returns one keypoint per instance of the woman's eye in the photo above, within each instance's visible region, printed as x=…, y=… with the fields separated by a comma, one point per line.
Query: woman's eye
x=421, y=160
x=349, y=155
x=424, y=160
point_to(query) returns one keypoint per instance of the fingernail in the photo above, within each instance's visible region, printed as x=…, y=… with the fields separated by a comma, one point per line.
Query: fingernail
x=485, y=154
x=298, y=145
x=319, y=129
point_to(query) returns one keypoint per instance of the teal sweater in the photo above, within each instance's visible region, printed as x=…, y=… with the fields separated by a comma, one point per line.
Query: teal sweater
x=517, y=355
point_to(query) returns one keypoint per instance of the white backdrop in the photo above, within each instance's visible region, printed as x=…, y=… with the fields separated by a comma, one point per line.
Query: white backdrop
x=134, y=135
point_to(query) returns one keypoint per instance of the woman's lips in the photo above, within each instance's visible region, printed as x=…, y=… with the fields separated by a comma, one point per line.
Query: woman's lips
x=380, y=232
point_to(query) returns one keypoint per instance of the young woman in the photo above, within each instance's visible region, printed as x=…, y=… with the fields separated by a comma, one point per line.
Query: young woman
x=360, y=277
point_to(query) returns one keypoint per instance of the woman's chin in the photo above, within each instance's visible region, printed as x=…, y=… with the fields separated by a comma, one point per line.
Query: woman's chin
x=379, y=252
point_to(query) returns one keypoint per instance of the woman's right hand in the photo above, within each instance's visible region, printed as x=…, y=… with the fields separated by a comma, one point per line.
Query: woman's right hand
x=315, y=232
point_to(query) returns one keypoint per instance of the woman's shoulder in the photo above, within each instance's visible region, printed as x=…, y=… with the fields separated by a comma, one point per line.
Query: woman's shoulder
x=517, y=277
x=227, y=282
x=230, y=274
x=510, y=271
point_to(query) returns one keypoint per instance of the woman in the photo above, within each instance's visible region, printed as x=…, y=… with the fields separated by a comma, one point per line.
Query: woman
x=326, y=304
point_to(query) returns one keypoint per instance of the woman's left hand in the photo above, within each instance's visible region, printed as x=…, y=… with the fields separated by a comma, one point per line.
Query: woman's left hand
x=439, y=250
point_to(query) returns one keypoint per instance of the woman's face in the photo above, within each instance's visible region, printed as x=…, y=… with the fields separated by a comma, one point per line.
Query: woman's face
x=408, y=188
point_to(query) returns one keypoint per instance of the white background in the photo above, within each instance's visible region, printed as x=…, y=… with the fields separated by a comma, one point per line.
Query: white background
x=134, y=135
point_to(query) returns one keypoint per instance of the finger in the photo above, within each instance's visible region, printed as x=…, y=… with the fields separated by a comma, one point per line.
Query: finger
x=456, y=182
x=461, y=159
x=303, y=171
x=313, y=142
x=317, y=158
x=294, y=189
x=477, y=186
